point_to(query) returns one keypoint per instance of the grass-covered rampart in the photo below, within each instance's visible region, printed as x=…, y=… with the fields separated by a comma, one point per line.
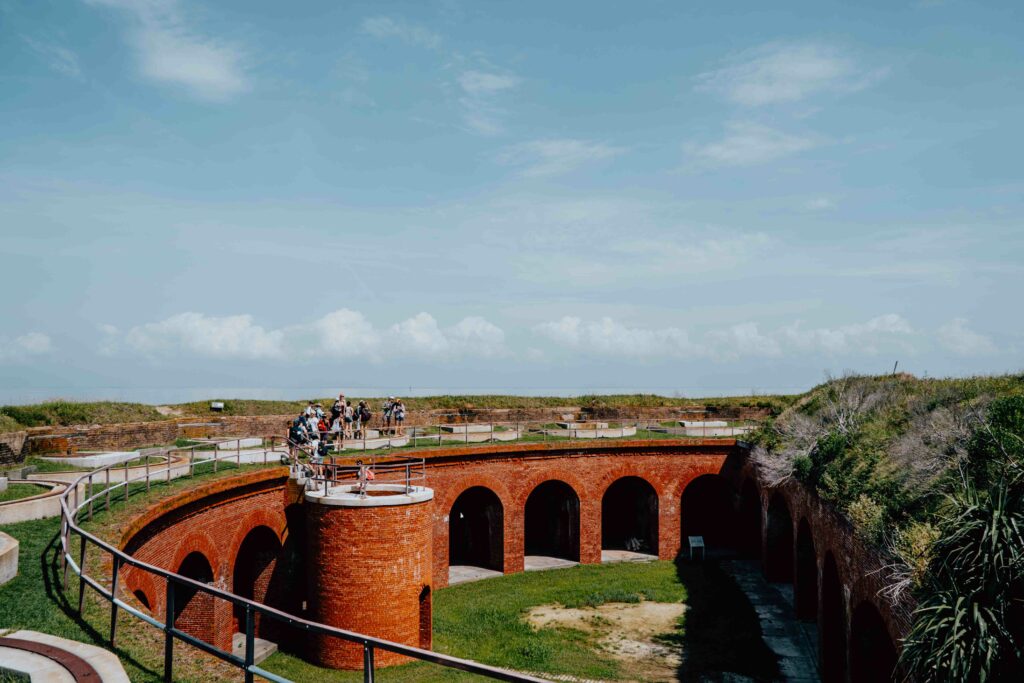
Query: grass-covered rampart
x=70, y=413
x=931, y=471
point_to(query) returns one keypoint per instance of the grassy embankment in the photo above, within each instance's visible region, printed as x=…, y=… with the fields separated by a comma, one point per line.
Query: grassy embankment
x=19, y=491
x=66, y=413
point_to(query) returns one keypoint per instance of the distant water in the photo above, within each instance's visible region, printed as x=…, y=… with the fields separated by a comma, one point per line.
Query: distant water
x=161, y=395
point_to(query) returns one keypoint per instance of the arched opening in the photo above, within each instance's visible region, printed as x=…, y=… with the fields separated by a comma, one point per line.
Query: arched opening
x=629, y=516
x=833, y=623
x=778, y=563
x=553, y=521
x=254, y=573
x=749, y=518
x=872, y=654
x=193, y=608
x=143, y=599
x=426, y=619
x=708, y=510
x=806, y=587
x=475, y=530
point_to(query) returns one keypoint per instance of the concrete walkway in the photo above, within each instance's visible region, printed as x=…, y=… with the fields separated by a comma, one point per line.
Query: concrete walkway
x=609, y=556
x=782, y=632
x=460, y=573
x=535, y=563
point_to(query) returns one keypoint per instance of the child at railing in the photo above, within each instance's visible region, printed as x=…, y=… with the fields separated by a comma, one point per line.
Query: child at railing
x=365, y=476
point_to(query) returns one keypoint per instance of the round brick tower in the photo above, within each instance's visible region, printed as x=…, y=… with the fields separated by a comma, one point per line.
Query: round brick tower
x=369, y=569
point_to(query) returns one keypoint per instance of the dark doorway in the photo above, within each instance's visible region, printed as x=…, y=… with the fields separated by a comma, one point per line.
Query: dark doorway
x=749, y=526
x=629, y=516
x=254, y=575
x=833, y=623
x=872, y=654
x=806, y=588
x=708, y=510
x=193, y=608
x=778, y=563
x=426, y=619
x=553, y=521
x=475, y=530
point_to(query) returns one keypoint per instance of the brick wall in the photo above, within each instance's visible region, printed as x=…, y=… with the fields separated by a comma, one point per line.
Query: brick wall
x=133, y=435
x=11, y=444
x=367, y=568
x=212, y=519
x=512, y=472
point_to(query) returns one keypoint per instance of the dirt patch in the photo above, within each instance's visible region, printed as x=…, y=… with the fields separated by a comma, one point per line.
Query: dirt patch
x=626, y=631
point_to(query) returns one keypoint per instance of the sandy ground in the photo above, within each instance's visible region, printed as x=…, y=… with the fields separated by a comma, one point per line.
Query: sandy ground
x=626, y=631
x=169, y=411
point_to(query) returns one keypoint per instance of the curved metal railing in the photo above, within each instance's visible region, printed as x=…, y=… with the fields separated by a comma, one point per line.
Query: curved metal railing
x=82, y=506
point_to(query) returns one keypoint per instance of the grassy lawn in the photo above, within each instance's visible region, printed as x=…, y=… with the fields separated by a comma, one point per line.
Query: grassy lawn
x=19, y=491
x=719, y=632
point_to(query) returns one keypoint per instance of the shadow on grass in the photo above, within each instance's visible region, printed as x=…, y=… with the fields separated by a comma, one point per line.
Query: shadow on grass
x=53, y=581
x=721, y=631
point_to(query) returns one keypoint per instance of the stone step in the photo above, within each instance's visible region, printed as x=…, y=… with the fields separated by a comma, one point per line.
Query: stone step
x=262, y=648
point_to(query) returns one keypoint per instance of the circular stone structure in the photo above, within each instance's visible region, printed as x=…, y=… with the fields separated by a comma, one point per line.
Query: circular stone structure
x=369, y=565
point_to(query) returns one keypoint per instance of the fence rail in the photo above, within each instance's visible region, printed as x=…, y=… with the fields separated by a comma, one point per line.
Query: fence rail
x=75, y=508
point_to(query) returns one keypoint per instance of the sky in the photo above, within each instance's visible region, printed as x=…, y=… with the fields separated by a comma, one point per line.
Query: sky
x=266, y=199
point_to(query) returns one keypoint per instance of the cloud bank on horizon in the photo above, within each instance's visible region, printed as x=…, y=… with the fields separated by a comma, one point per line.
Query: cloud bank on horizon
x=506, y=196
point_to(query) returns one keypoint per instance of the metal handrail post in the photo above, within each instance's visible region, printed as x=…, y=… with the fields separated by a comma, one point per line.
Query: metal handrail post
x=107, y=470
x=147, y=475
x=113, y=598
x=367, y=663
x=192, y=462
x=81, y=580
x=168, y=633
x=250, y=643
x=125, y=482
x=90, y=490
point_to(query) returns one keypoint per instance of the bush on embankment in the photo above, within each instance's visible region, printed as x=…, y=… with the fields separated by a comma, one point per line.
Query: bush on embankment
x=932, y=473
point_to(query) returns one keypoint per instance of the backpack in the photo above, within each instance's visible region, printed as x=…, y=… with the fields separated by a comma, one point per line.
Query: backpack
x=365, y=414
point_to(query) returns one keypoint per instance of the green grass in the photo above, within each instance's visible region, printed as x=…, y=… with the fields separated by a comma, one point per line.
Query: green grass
x=483, y=621
x=66, y=413
x=19, y=491
x=43, y=466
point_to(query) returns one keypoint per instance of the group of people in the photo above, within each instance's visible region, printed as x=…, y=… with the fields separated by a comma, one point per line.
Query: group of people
x=315, y=429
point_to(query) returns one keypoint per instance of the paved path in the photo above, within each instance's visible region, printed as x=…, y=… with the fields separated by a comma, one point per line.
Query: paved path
x=793, y=641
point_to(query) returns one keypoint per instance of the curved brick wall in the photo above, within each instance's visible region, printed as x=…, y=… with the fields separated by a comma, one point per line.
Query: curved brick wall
x=366, y=568
x=369, y=571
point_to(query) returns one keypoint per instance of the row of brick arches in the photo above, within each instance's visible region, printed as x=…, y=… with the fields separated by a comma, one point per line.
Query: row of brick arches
x=855, y=641
x=256, y=572
x=551, y=520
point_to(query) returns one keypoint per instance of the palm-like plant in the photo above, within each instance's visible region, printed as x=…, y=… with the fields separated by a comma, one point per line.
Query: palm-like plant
x=964, y=629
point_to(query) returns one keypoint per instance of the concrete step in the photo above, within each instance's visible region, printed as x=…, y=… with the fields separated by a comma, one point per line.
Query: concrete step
x=263, y=648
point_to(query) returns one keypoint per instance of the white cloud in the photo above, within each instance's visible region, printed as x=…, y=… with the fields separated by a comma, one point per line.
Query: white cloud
x=170, y=51
x=748, y=144
x=57, y=57
x=955, y=336
x=22, y=347
x=340, y=334
x=786, y=72
x=484, y=83
x=606, y=337
x=479, y=100
x=870, y=337
x=387, y=27
x=233, y=336
x=819, y=204
x=540, y=158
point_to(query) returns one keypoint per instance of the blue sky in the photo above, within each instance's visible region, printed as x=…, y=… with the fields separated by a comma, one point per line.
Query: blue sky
x=692, y=198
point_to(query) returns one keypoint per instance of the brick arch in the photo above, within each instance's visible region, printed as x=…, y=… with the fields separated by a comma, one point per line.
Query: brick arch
x=637, y=503
x=629, y=470
x=552, y=474
x=569, y=524
x=272, y=520
x=449, y=495
x=200, y=542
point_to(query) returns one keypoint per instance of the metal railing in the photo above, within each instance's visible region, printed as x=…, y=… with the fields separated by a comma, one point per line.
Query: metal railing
x=74, y=509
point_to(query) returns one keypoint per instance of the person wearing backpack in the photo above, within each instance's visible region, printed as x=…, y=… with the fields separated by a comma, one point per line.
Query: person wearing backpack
x=398, y=411
x=364, y=414
x=388, y=406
